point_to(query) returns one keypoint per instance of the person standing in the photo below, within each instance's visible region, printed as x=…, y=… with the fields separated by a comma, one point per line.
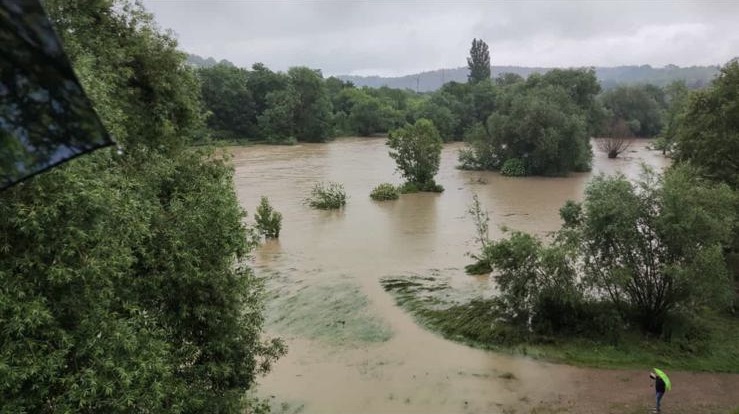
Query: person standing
x=659, y=388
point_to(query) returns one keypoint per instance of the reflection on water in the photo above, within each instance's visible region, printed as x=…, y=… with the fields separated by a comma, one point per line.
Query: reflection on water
x=414, y=370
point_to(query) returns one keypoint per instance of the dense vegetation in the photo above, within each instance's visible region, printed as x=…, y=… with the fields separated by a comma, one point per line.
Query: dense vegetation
x=653, y=257
x=122, y=287
x=544, y=123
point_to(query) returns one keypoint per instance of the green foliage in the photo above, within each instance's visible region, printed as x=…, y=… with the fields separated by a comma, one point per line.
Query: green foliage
x=444, y=120
x=120, y=285
x=513, y=167
x=479, y=61
x=327, y=196
x=650, y=251
x=708, y=136
x=656, y=247
x=409, y=187
x=641, y=106
x=367, y=114
x=537, y=282
x=676, y=97
x=571, y=213
x=480, y=152
x=481, y=219
x=416, y=150
x=269, y=221
x=226, y=94
x=385, y=191
x=302, y=111
x=544, y=121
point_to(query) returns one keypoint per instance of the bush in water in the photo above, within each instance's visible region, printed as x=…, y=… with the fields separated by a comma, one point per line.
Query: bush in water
x=327, y=196
x=384, y=191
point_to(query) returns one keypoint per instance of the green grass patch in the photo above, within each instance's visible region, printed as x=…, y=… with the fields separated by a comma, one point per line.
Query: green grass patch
x=332, y=312
x=474, y=321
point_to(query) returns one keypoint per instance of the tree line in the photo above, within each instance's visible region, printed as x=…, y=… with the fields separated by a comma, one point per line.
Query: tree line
x=540, y=125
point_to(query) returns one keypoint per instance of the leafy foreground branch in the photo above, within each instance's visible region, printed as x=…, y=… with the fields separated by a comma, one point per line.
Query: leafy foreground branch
x=122, y=285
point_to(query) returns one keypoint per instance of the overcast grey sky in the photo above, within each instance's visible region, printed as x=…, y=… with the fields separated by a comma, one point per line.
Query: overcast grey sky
x=402, y=37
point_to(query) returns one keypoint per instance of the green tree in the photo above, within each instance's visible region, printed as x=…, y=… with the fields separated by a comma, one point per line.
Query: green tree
x=277, y=123
x=478, y=62
x=542, y=127
x=656, y=247
x=442, y=117
x=227, y=96
x=368, y=114
x=261, y=82
x=301, y=111
x=269, y=221
x=708, y=136
x=120, y=285
x=639, y=105
x=676, y=95
x=416, y=150
x=582, y=86
x=649, y=250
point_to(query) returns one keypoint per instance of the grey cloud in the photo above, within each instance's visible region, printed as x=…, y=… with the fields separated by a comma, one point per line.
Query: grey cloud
x=395, y=37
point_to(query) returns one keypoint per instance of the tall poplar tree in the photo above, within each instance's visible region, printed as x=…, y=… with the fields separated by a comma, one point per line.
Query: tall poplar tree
x=478, y=62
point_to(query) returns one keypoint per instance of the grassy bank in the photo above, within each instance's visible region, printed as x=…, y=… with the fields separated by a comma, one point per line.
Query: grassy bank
x=472, y=320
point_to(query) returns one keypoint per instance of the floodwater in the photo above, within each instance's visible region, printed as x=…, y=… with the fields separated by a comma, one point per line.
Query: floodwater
x=351, y=349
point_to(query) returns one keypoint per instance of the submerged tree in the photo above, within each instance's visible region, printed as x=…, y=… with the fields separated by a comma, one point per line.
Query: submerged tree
x=416, y=150
x=478, y=62
x=618, y=139
x=269, y=221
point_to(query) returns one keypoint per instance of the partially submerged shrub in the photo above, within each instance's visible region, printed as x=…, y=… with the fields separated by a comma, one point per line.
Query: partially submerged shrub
x=326, y=196
x=269, y=221
x=513, y=167
x=385, y=191
x=430, y=187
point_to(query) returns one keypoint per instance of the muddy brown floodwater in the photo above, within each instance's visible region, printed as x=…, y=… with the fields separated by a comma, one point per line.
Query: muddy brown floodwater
x=351, y=349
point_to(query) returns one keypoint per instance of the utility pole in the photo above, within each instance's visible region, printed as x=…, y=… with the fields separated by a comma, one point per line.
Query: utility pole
x=418, y=79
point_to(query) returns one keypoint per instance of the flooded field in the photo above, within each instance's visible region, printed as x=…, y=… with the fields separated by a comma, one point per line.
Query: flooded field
x=351, y=349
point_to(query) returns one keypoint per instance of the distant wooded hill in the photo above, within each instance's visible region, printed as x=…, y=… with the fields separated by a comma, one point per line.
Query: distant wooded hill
x=609, y=77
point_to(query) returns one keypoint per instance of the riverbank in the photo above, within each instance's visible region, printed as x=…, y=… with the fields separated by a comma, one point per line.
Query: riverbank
x=472, y=321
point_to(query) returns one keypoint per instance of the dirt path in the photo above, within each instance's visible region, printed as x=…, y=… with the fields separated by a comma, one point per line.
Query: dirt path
x=629, y=391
